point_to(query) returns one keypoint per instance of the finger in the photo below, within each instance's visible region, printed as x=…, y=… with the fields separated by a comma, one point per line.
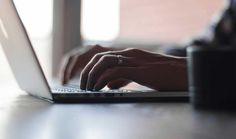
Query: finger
x=85, y=73
x=145, y=56
x=65, y=68
x=71, y=63
x=106, y=62
x=127, y=73
x=81, y=58
x=74, y=67
x=118, y=83
x=88, y=67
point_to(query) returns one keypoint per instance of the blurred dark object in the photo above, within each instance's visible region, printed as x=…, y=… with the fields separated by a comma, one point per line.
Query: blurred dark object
x=175, y=51
x=181, y=50
x=212, y=77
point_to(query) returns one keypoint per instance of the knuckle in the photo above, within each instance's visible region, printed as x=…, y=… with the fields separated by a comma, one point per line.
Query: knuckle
x=105, y=58
x=130, y=49
x=68, y=58
x=98, y=46
x=98, y=56
x=135, y=50
x=95, y=47
x=70, y=54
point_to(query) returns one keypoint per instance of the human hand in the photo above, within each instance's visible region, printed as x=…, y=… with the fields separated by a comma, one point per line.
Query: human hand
x=153, y=70
x=76, y=60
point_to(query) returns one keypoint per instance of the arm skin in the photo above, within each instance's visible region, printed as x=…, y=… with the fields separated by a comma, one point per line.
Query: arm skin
x=157, y=71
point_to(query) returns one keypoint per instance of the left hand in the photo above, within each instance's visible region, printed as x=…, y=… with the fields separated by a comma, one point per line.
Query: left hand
x=160, y=72
x=77, y=59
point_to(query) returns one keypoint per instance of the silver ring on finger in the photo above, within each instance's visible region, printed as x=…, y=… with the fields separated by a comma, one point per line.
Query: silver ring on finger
x=119, y=60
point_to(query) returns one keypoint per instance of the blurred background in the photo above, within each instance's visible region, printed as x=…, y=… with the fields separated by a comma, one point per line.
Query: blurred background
x=57, y=26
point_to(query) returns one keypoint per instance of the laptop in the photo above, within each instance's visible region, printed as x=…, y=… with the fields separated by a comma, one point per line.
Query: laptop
x=30, y=77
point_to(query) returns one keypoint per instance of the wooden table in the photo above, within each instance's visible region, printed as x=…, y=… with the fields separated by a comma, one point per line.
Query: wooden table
x=24, y=117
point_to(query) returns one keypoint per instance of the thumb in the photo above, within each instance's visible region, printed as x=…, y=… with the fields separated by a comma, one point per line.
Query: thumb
x=116, y=84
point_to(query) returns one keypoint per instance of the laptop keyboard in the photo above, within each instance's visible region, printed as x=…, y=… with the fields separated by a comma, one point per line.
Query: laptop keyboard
x=76, y=89
x=67, y=90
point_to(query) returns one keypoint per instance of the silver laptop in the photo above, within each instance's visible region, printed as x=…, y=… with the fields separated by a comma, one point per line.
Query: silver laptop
x=30, y=77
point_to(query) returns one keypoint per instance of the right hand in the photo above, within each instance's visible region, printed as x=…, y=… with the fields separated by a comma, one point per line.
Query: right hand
x=154, y=70
x=75, y=61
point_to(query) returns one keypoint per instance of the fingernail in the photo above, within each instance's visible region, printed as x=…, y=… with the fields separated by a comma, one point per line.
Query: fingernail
x=82, y=86
x=88, y=88
x=63, y=82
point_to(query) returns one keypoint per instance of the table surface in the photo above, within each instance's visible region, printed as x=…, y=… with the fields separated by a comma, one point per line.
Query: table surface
x=25, y=117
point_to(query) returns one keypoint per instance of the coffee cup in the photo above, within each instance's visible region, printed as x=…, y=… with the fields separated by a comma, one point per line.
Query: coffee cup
x=212, y=76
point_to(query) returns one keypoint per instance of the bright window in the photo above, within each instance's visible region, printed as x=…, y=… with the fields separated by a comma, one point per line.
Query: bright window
x=146, y=20
x=100, y=19
x=37, y=18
